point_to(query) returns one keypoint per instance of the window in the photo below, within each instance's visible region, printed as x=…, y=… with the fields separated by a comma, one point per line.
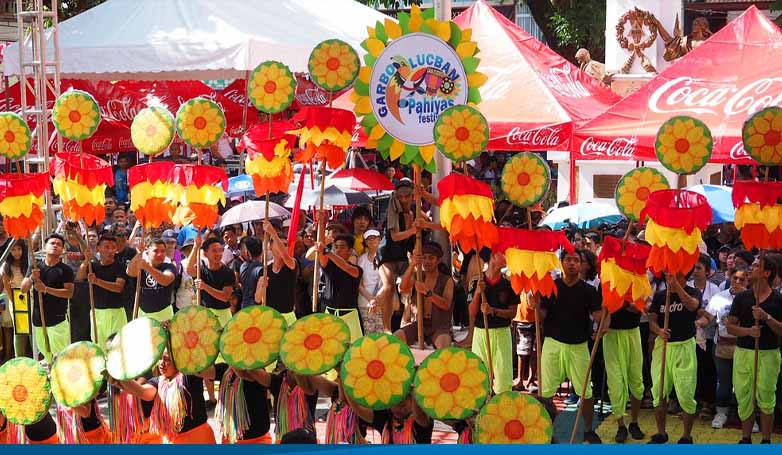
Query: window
x=525, y=20
x=604, y=186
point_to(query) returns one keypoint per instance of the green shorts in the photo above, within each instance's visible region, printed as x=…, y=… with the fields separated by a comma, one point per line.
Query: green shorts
x=166, y=314
x=350, y=317
x=59, y=339
x=681, y=371
x=743, y=376
x=110, y=321
x=623, y=362
x=501, y=355
x=561, y=360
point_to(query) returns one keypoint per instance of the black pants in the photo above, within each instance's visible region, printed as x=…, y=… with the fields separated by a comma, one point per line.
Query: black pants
x=647, y=365
x=706, y=389
x=80, y=312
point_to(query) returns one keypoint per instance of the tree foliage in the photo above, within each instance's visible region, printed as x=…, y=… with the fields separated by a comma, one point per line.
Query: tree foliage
x=389, y=4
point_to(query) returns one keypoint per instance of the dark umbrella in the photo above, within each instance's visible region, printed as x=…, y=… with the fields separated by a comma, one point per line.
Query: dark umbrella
x=332, y=197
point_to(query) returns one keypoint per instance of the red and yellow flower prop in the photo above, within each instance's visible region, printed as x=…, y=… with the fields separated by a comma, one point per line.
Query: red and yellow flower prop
x=24, y=391
x=762, y=136
x=513, y=418
x=77, y=374
x=272, y=87
x=759, y=213
x=525, y=179
x=200, y=122
x=136, y=348
x=21, y=202
x=684, y=145
x=451, y=384
x=15, y=138
x=198, y=190
x=152, y=130
x=76, y=115
x=80, y=180
x=325, y=134
x=634, y=188
x=333, y=65
x=314, y=344
x=377, y=371
x=676, y=220
x=461, y=133
x=150, y=187
x=251, y=339
x=195, y=333
x=467, y=212
x=531, y=256
x=268, y=159
x=623, y=274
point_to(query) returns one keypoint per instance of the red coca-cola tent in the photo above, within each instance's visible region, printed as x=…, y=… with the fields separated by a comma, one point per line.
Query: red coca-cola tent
x=733, y=74
x=533, y=96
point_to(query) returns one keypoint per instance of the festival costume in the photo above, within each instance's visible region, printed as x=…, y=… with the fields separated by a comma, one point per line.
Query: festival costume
x=110, y=321
x=623, y=358
x=202, y=434
x=160, y=316
x=499, y=295
x=293, y=408
x=59, y=338
x=343, y=425
x=436, y=320
x=681, y=370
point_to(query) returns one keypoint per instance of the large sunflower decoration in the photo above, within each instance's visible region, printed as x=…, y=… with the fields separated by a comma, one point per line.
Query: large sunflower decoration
x=200, y=122
x=195, y=332
x=314, y=344
x=21, y=202
x=383, y=36
x=467, y=212
x=762, y=136
x=451, y=384
x=152, y=130
x=513, y=418
x=525, y=179
x=531, y=258
x=251, y=339
x=684, y=145
x=272, y=87
x=76, y=115
x=77, y=374
x=80, y=180
x=136, y=349
x=634, y=189
x=15, y=138
x=24, y=391
x=333, y=65
x=759, y=213
x=461, y=133
x=377, y=371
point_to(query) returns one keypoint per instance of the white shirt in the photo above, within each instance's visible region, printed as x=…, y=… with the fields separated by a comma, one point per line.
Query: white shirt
x=371, y=277
x=719, y=307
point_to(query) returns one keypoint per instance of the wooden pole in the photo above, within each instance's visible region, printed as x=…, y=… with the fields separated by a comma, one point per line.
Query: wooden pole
x=47, y=344
x=137, y=300
x=667, y=310
x=316, y=267
x=600, y=329
x=93, y=316
x=265, y=235
x=198, y=251
x=489, y=362
x=761, y=266
x=538, y=328
x=419, y=275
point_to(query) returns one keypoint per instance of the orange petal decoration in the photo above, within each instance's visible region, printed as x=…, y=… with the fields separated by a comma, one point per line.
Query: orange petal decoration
x=758, y=210
x=80, y=180
x=150, y=185
x=198, y=190
x=531, y=256
x=325, y=133
x=623, y=274
x=21, y=202
x=268, y=158
x=467, y=212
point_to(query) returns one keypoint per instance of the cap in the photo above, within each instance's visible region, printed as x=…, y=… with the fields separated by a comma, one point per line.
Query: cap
x=188, y=243
x=168, y=234
x=371, y=233
x=432, y=248
x=724, y=248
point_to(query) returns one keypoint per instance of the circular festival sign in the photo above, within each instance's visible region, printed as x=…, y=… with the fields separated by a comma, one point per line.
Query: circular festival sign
x=513, y=418
x=15, y=138
x=525, y=179
x=415, y=70
x=251, y=339
x=683, y=144
x=634, y=189
x=24, y=391
x=77, y=373
x=135, y=349
x=314, y=344
x=152, y=130
x=333, y=65
x=195, y=332
x=200, y=122
x=272, y=87
x=461, y=133
x=76, y=115
x=762, y=136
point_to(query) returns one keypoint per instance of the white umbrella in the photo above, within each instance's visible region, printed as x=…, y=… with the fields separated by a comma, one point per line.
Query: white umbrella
x=585, y=215
x=252, y=211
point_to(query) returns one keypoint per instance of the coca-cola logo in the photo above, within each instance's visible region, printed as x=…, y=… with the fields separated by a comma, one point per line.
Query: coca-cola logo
x=356, y=130
x=311, y=97
x=102, y=145
x=737, y=152
x=686, y=95
x=561, y=81
x=237, y=96
x=543, y=137
x=121, y=109
x=619, y=147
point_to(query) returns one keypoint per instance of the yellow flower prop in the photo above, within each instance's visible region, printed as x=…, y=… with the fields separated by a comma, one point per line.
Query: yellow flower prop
x=634, y=188
x=513, y=418
x=314, y=344
x=762, y=136
x=272, y=87
x=77, y=374
x=195, y=332
x=251, y=339
x=76, y=115
x=461, y=133
x=136, y=349
x=451, y=384
x=377, y=371
x=383, y=35
x=152, y=130
x=525, y=179
x=200, y=122
x=684, y=145
x=333, y=65
x=15, y=139
x=24, y=391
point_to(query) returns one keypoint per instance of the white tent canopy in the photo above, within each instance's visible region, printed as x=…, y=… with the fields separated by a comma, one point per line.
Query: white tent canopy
x=198, y=39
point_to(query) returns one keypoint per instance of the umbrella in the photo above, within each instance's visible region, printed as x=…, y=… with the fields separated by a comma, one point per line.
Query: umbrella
x=358, y=179
x=720, y=200
x=585, y=215
x=332, y=197
x=251, y=211
x=241, y=185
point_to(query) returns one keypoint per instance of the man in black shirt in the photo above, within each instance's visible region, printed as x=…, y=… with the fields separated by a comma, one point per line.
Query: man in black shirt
x=217, y=281
x=742, y=319
x=54, y=281
x=108, y=281
x=681, y=365
x=282, y=273
x=340, y=281
x=157, y=281
x=567, y=327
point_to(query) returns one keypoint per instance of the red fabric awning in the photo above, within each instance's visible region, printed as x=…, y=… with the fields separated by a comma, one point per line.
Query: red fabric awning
x=733, y=74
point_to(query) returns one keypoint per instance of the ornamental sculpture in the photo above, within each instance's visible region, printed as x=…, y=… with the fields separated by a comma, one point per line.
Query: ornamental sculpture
x=637, y=40
x=678, y=45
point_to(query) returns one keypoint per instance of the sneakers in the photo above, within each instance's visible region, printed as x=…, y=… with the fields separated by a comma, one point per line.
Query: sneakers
x=745, y=441
x=621, y=435
x=590, y=437
x=684, y=440
x=635, y=432
x=719, y=421
x=659, y=438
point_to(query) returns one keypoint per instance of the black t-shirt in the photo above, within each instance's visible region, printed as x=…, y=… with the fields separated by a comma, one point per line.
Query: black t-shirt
x=498, y=295
x=125, y=255
x=42, y=429
x=422, y=435
x=281, y=293
x=91, y=422
x=104, y=298
x=339, y=289
x=276, y=384
x=255, y=403
x=742, y=309
x=624, y=319
x=194, y=401
x=568, y=313
x=54, y=308
x=155, y=297
x=249, y=273
x=217, y=279
x=681, y=321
